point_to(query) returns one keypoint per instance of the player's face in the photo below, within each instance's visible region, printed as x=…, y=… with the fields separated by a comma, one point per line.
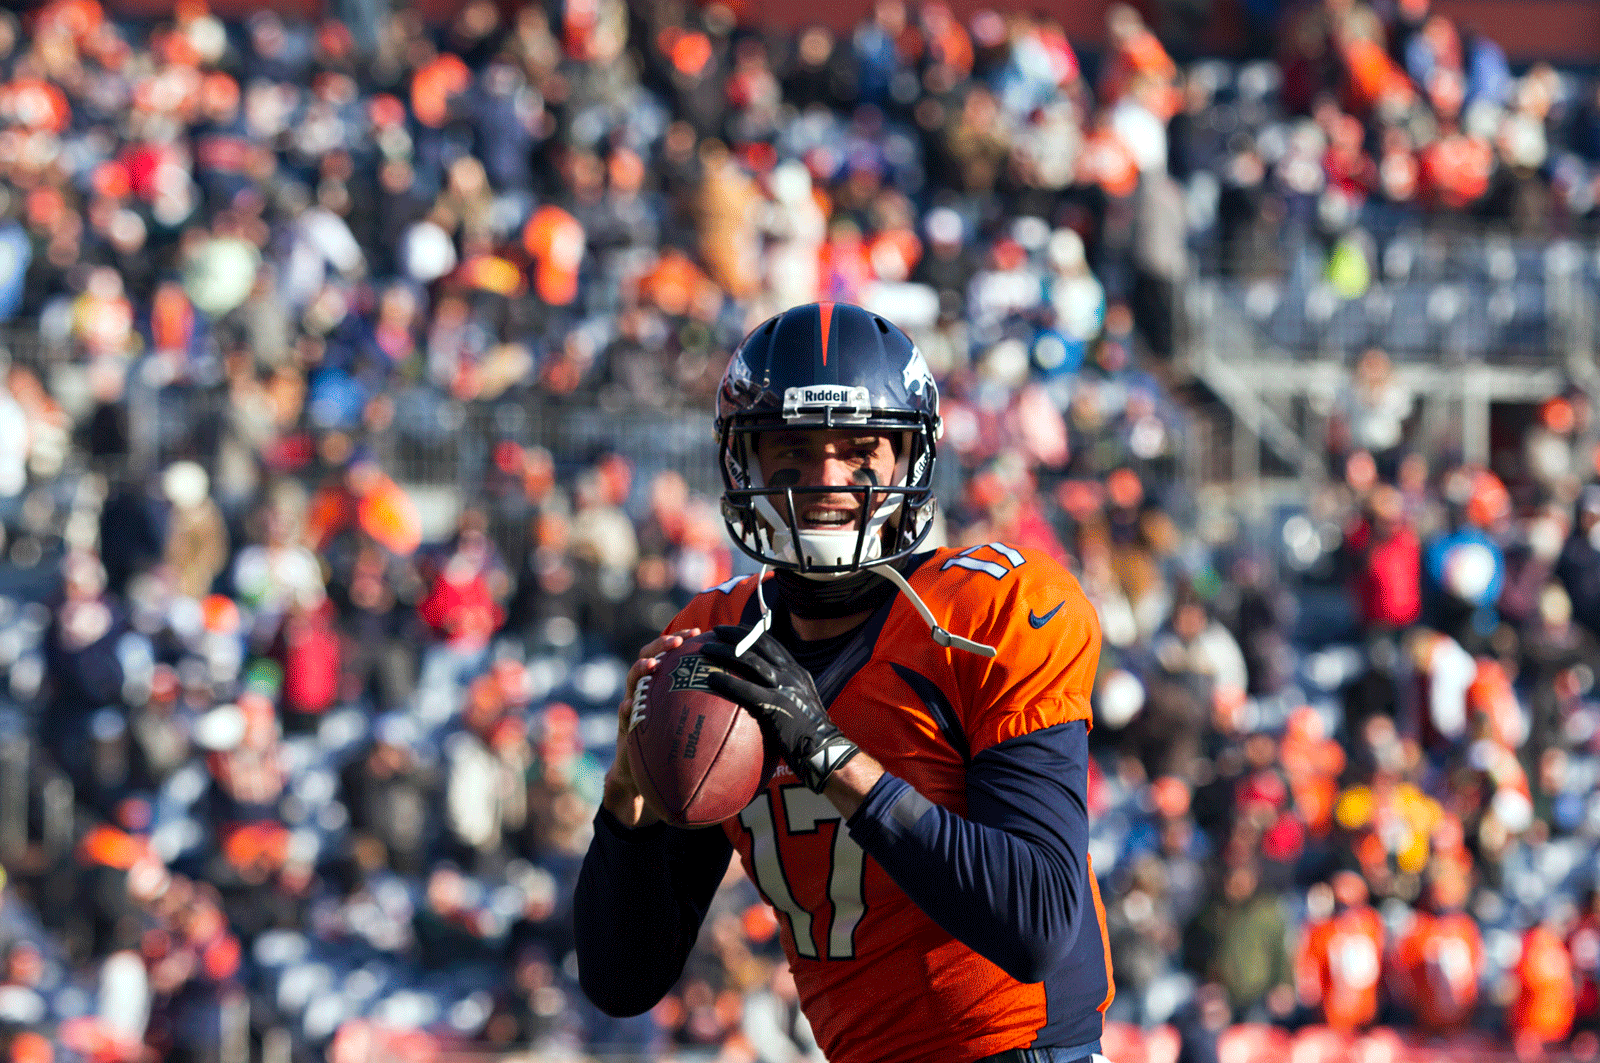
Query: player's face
x=825, y=458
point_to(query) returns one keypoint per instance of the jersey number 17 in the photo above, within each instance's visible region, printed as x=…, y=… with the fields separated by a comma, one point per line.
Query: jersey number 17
x=805, y=812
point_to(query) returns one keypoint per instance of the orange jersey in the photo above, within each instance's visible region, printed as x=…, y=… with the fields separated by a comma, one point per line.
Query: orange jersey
x=1439, y=961
x=878, y=979
x=1547, y=994
x=1339, y=965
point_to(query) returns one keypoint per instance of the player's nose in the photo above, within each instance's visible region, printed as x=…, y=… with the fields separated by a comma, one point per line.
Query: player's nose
x=835, y=472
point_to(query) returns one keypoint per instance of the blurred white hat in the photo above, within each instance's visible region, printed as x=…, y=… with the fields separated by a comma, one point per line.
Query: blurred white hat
x=185, y=484
x=944, y=226
x=1121, y=698
x=791, y=182
x=1065, y=250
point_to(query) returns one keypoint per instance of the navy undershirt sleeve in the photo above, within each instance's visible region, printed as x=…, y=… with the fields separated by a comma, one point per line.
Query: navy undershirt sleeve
x=640, y=899
x=1010, y=880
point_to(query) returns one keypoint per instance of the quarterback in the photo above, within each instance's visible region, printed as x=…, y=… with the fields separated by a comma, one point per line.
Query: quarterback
x=926, y=846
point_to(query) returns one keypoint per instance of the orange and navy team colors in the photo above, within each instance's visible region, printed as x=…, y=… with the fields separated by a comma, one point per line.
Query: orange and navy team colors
x=956, y=914
x=1340, y=967
x=1438, y=966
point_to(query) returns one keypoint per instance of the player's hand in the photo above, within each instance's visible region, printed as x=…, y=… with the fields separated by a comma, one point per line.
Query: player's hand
x=622, y=798
x=780, y=694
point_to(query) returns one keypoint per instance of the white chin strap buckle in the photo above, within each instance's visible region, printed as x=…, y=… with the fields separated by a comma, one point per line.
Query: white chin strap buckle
x=940, y=635
x=763, y=622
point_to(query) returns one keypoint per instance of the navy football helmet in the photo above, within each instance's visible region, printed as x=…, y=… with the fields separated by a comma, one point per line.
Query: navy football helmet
x=824, y=366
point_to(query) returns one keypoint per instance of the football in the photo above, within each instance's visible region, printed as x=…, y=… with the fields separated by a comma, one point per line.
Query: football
x=697, y=757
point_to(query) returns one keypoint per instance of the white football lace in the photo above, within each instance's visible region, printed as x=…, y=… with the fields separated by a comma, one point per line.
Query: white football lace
x=640, y=689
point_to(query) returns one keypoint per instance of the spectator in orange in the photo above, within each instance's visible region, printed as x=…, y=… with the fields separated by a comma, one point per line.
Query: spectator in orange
x=1583, y=945
x=1438, y=961
x=845, y=261
x=434, y=86
x=1313, y=763
x=1136, y=53
x=1547, y=993
x=556, y=241
x=1341, y=954
x=948, y=43
x=1107, y=160
x=1374, y=82
x=367, y=497
x=1455, y=169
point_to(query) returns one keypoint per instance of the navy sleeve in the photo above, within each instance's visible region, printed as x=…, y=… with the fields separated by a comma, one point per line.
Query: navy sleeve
x=1009, y=881
x=640, y=899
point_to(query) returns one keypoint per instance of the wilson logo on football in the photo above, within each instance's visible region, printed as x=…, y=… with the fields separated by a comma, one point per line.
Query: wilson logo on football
x=691, y=674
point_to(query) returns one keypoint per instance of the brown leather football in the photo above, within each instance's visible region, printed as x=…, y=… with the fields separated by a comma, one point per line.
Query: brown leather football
x=697, y=757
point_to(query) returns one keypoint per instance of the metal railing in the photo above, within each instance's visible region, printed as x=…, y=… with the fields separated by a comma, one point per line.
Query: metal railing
x=1469, y=316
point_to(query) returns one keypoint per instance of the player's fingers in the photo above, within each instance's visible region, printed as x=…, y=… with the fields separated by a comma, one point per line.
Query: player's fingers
x=662, y=643
x=647, y=657
x=636, y=671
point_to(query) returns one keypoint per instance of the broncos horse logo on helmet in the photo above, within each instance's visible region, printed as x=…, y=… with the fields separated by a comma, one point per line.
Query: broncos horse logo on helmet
x=827, y=366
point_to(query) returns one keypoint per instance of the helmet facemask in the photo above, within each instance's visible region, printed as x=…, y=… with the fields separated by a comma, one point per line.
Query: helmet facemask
x=891, y=519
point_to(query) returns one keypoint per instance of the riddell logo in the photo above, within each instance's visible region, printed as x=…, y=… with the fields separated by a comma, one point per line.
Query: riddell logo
x=825, y=396
x=837, y=395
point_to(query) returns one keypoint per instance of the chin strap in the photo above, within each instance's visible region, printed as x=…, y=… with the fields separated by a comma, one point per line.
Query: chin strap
x=763, y=622
x=890, y=573
x=940, y=635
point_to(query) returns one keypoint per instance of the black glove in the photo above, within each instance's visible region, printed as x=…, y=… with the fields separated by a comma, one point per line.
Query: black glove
x=781, y=695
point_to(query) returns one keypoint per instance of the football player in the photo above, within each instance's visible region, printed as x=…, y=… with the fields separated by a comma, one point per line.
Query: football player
x=926, y=844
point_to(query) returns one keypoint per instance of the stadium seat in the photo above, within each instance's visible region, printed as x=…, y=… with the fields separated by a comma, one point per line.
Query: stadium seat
x=1499, y=261
x=1460, y=1048
x=1259, y=81
x=1531, y=258
x=1289, y=326
x=1433, y=259
x=1471, y=334
x=1398, y=259
x=1349, y=328
x=1261, y=299
x=1562, y=259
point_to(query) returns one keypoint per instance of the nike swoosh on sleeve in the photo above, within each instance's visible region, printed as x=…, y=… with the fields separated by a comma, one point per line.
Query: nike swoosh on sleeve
x=1041, y=621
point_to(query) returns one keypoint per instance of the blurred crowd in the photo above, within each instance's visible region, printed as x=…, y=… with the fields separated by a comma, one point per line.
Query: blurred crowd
x=298, y=764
